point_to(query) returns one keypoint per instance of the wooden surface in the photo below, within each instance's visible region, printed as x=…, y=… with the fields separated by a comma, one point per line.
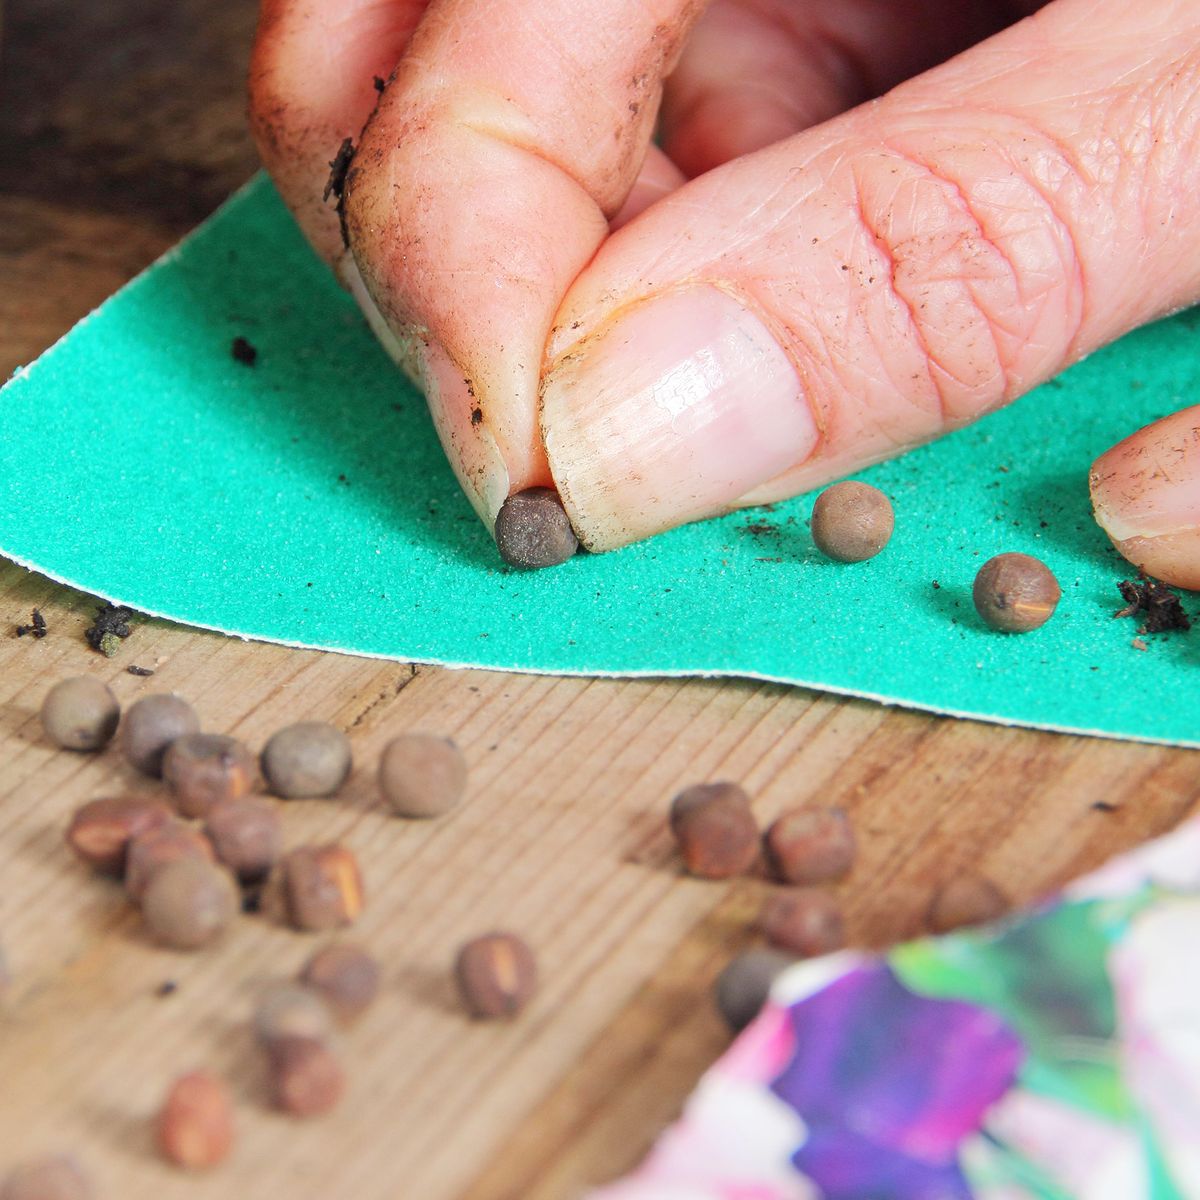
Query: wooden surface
x=117, y=132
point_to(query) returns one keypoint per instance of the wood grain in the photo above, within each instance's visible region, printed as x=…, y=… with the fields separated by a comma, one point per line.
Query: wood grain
x=562, y=839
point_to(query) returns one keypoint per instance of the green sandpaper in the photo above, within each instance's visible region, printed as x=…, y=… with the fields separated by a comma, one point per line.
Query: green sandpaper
x=304, y=499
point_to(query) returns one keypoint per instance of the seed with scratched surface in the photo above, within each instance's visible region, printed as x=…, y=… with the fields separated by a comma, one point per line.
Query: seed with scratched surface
x=965, y=900
x=311, y=758
x=496, y=974
x=810, y=845
x=421, y=775
x=202, y=769
x=55, y=1177
x=346, y=977
x=101, y=830
x=322, y=887
x=717, y=834
x=189, y=903
x=533, y=529
x=307, y=1079
x=291, y=1010
x=805, y=922
x=247, y=835
x=743, y=986
x=852, y=521
x=151, y=851
x=195, y=1123
x=80, y=714
x=151, y=725
x=1015, y=593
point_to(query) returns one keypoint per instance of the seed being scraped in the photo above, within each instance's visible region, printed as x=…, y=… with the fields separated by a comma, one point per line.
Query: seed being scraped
x=805, y=922
x=421, y=775
x=322, y=887
x=742, y=988
x=80, y=714
x=202, y=769
x=55, y=1177
x=309, y=759
x=496, y=974
x=852, y=521
x=716, y=831
x=101, y=830
x=533, y=529
x=195, y=1124
x=151, y=725
x=189, y=903
x=965, y=900
x=307, y=1079
x=1015, y=593
x=153, y=850
x=811, y=845
x=247, y=835
x=346, y=977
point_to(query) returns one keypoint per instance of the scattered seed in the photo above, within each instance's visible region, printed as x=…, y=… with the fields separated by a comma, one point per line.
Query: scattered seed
x=195, y=1123
x=743, y=986
x=805, y=922
x=149, y=852
x=717, y=834
x=852, y=521
x=322, y=887
x=496, y=974
x=421, y=775
x=202, y=769
x=1015, y=593
x=101, y=830
x=307, y=1079
x=151, y=725
x=55, y=1177
x=247, y=835
x=346, y=977
x=533, y=529
x=309, y=759
x=189, y=903
x=965, y=900
x=80, y=713
x=811, y=845
x=290, y=1010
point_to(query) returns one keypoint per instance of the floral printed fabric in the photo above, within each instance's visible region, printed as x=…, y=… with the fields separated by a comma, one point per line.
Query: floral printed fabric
x=1055, y=1056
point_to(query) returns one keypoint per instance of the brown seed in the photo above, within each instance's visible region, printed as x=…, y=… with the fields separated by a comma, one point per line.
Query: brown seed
x=852, y=521
x=151, y=725
x=743, y=986
x=496, y=974
x=346, y=977
x=717, y=834
x=195, y=1123
x=55, y=1177
x=533, y=529
x=307, y=1079
x=101, y=830
x=811, y=845
x=805, y=922
x=151, y=851
x=189, y=903
x=308, y=759
x=322, y=887
x=965, y=900
x=1015, y=593
x=80, y=714
x=202, y=769
x=291, y=1010
x=247, y=835
x=421, y=775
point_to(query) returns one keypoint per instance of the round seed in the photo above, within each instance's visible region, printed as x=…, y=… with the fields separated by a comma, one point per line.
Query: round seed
x=1015, y=593
x=322, y=887
x=149, y=852
x=151, y=725
x=346, y=977
x=742, y=988
x=307, y=1079
x=717, y=834
x=202, y=769
x=55, y=1177
x=496, y=974
x=811, y=845
x=80, y=714
x=189, y=903
x=101, y=830
x=195, y=1124
x=309, y=759
x=247, y=835
x=421, y=775
x=966, y=900
x=288, y=1010
x=533, y=529
x=805, y=922
x=852, y=521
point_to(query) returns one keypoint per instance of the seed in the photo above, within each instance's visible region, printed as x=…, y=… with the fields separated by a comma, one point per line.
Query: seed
x=965, y=900
x=1015, y=593
x=533, y=529
x=421, y=775
x=852, y=521
x=311, y=758
x=742, y=988
x=497, y=975
x=195, y=1124
x=202, y=769
x=247, y=835
x=188, y=903
x=101, y=830
x=149, y=852
x=716, y=831
x=290, y=1010
x=80, y=714
x=322, y=887
x=811, y=845
x=307, y=1079
x=151, y=725
x=346, y=977
x=806, y=922
x=55, y=1177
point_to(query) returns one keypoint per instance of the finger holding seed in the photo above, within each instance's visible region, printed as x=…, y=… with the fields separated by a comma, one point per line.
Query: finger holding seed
x=533, y=530
x=202, y=769
x=80, y=714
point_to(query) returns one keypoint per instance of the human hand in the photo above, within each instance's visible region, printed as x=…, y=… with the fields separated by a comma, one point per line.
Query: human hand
x=864, y=277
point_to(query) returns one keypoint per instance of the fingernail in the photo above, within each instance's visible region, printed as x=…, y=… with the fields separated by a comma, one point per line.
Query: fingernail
x=671, y=412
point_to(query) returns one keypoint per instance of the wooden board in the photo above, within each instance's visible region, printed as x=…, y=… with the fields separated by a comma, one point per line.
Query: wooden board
x=562, y=838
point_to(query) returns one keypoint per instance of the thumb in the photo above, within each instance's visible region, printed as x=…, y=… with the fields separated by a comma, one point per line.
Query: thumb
x=864, y=286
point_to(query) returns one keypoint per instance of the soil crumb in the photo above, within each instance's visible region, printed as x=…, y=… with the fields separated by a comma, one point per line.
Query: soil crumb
x=109, y=629
x=1155, y=602
x=37, y=627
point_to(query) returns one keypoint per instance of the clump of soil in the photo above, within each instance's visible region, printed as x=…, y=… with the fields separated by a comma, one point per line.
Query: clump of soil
x=38, y=627
x=109, y=629
x=1162, y=611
